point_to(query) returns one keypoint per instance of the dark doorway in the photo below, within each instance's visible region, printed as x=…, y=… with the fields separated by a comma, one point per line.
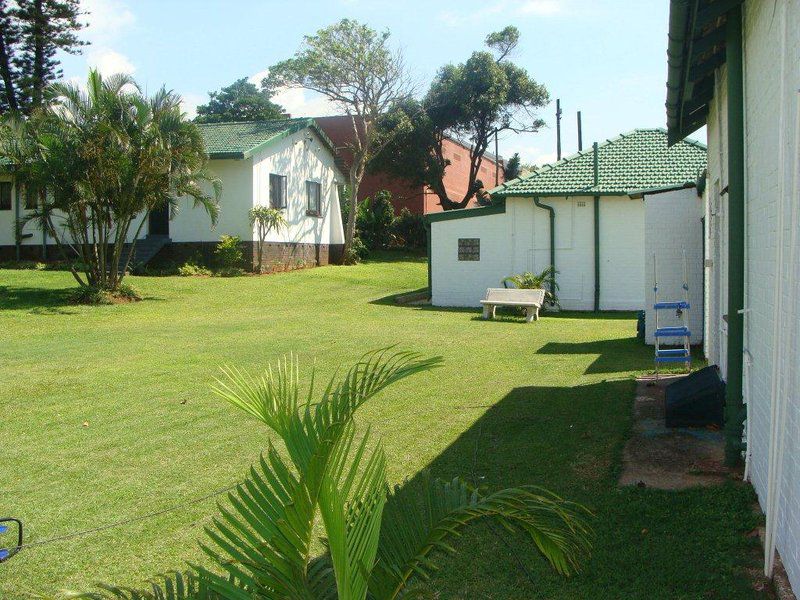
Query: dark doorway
x=159, y=221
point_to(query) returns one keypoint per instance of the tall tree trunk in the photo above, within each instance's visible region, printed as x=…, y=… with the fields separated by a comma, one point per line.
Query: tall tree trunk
x=350, y=228
x=38, y=54
x=5, y=65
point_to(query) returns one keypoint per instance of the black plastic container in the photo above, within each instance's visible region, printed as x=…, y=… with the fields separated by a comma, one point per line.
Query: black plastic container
x=697, y=400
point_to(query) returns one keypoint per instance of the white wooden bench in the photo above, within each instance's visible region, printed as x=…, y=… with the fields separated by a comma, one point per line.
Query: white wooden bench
x=530, y=300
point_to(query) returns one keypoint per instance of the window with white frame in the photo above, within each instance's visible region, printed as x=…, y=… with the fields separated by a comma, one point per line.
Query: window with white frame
x=313, y=198
x=277, y=191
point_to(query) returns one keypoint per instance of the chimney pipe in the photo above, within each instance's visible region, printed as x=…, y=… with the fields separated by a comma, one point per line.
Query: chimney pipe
x=580, y=133
x=558, y=128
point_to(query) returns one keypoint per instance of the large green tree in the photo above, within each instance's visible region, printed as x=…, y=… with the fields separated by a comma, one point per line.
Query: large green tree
x=354, y=67
x=32, y=32
x=102, y=159
x=471, y=101
x=240, y=101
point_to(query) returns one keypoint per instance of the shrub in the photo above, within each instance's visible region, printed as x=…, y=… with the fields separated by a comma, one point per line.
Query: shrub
x=265, y=219
x=228, y=255
x=358, y=252
x=192, y=269
x=409, y=230
x=532, y=281
x=90, y=294
x=374, y=221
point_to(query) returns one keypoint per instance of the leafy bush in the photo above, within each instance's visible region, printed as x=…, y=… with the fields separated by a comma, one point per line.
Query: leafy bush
x=409, y=230
x=374, y=221
x=265, y=219
x=534, y=281
x=358, y=252
x=90, y=294
x=192, y=269
x=228, y=255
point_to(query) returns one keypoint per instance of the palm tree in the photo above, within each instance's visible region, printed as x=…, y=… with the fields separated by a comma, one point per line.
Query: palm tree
x=265, y=219
x=381, y=544
x=102, y=159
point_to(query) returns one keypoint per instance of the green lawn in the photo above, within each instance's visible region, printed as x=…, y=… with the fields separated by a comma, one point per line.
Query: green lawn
x=107, y=414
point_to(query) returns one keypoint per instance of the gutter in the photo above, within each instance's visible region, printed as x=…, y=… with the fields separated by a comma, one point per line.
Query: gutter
x=596, y=232
x=552, y=212
x=734, y=405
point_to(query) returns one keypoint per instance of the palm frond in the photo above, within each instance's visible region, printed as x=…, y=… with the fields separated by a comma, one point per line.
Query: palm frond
x=172, y=586
x=417, y=527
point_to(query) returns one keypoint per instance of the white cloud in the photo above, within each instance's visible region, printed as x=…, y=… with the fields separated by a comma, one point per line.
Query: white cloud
x=190, y=101
x=302, y=103
x=258, y=77
x=109, y=62
x=297, y=101
x=106, y=19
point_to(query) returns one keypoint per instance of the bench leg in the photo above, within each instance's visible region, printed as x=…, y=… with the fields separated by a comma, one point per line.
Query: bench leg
x=486, y=313
x=532, y=313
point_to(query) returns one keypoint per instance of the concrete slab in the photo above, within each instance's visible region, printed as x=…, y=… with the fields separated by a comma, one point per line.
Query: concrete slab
x=670, y=459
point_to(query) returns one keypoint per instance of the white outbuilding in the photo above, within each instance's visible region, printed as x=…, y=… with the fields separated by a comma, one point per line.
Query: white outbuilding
x=596, y=216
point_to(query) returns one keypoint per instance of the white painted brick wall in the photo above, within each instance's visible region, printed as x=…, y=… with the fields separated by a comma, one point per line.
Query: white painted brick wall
x=519, y=241
x=673, y=226
x=766, y=100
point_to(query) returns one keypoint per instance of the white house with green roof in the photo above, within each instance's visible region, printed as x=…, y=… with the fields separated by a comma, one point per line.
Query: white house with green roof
x=288, y=164
x=585, y=214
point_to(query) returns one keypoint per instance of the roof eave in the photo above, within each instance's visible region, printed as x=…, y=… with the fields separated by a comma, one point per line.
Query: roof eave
x=695, y=50
x=496, y=208
x=558, y=194
x=636, y=194
x=226, y=155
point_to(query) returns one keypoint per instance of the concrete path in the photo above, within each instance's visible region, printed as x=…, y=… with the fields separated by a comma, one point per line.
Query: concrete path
x=669, y=459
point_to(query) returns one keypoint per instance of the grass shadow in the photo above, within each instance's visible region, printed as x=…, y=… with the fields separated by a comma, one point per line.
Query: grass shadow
x=36, y=300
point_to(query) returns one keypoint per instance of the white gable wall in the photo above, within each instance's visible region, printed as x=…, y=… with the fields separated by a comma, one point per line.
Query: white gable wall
x=519, y=240
x=301, y=157
x=245, y=184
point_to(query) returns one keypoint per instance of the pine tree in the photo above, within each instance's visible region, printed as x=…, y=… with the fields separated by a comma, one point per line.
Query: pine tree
x=33, y=32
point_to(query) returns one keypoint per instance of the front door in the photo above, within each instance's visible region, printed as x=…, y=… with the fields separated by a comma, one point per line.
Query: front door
x=159, y=221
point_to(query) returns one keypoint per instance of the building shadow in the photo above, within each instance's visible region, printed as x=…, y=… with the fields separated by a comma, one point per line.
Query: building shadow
x=565, y=439
x=613, y=356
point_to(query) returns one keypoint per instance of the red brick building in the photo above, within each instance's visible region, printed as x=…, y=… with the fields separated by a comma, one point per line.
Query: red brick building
x=418, y=199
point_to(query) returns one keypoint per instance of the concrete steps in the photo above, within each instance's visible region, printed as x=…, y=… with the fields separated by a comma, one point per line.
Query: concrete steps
x=145, y=249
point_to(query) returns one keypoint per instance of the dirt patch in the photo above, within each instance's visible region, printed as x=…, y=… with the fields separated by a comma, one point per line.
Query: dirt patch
x=671, y=459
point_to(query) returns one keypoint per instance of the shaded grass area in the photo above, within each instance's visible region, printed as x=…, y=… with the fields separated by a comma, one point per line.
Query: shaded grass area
x=108, y=415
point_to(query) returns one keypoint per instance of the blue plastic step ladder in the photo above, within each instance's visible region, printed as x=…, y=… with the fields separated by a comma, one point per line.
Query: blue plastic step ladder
x=681, y=308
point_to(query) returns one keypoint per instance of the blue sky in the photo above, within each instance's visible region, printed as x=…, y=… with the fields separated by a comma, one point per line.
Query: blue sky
x=606, y=58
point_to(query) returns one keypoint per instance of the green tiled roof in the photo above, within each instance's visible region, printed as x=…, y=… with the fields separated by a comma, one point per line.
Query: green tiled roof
x=242, y=138
x=634, y=161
